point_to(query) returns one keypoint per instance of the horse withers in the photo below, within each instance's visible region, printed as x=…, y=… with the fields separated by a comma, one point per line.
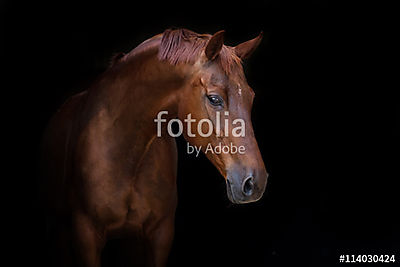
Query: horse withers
x=107, y=174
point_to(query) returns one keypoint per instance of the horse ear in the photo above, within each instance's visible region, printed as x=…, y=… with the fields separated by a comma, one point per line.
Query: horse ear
x=244, y=50
x=214, y=45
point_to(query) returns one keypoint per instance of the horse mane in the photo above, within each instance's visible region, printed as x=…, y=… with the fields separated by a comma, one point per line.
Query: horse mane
x=182, y=46
x=116, y=58
x=185, y=46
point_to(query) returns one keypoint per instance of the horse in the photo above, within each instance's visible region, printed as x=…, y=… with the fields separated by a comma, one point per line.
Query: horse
x=106, y=172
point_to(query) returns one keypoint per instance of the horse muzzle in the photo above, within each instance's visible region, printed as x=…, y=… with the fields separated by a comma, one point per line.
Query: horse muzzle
x=246, y=188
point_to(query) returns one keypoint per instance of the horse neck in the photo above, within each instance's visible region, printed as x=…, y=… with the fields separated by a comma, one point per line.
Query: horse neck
x=129, y=96
x=143, y=86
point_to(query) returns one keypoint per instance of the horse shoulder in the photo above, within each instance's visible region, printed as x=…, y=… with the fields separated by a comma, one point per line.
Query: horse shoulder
x=154, y=192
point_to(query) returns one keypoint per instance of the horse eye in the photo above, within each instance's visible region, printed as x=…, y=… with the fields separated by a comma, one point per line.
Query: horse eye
x=215, y=100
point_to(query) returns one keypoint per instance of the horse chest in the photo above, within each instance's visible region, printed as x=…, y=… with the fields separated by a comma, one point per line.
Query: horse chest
x=139, y=217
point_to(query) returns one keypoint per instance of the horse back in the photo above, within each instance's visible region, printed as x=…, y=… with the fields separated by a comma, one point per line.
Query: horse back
x=56, y=154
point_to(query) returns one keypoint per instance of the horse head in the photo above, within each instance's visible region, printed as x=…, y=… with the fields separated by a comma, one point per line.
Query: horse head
x=218, y=93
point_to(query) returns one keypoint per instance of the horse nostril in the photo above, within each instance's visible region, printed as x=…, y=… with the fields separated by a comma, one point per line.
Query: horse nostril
x=248, y=185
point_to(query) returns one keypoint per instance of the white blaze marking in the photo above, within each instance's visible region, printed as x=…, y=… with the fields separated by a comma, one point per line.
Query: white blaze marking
x=240, y=90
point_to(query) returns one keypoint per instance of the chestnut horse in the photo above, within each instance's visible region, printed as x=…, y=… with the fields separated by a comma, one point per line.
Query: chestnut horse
x=106, y=173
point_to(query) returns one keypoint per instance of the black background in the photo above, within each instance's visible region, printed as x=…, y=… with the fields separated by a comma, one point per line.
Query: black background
x=326, y=132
